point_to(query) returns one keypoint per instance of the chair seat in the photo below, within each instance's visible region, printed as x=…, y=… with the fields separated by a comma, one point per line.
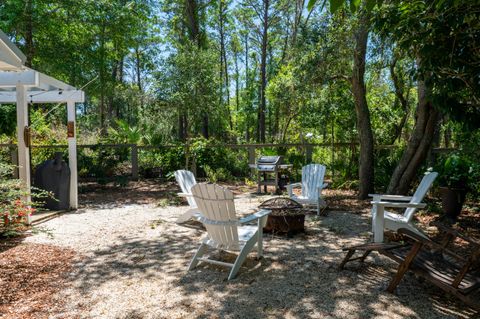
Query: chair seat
x=245, y=233
x=395, y=217
x=303, y=200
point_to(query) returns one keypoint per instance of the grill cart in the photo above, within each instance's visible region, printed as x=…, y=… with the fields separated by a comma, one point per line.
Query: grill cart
x=271, y=171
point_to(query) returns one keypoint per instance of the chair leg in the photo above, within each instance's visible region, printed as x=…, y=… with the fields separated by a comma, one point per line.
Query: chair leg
x=347, y=258
x=403, y=267
x=260, y=237
x=242, y=256
x=365, y=255
x=200, y=252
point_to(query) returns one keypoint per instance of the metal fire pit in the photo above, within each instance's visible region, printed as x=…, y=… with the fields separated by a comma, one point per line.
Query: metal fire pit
x=269, y=169
x=287, y=216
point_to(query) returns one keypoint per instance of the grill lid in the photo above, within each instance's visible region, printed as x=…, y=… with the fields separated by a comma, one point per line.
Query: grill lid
x=272, y=160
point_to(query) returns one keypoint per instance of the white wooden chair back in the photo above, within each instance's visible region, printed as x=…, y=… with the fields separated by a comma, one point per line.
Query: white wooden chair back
x=312, y=179
x=186, y=180
x=218, y=210
x=420, y=193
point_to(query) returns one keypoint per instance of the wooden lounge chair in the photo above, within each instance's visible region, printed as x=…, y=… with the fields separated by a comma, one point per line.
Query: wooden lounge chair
x=186, y=180
x=431, y=260
x=224, y=230
x=312, y=185
x=389, y=220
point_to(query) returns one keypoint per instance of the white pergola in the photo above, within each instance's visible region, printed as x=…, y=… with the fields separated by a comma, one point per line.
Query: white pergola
x=23, y=86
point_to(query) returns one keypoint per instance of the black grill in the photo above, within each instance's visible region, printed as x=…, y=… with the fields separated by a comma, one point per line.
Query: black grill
x=269, y=169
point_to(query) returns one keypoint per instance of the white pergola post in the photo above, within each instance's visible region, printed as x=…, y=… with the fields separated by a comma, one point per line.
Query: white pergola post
x=22, y=85
x=23, y=150
x=72, y=154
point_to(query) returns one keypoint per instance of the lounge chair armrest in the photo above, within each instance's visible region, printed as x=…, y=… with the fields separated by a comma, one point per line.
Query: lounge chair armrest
x=185, y=194
x=255, y=216
x=398, y=198
x=294, y=185
x=398, y=204
x=455, y=233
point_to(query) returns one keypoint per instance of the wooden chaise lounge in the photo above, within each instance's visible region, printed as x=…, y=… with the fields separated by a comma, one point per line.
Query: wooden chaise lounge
x=434, y=261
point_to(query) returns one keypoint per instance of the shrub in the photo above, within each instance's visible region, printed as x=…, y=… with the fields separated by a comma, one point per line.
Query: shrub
x=14, y=209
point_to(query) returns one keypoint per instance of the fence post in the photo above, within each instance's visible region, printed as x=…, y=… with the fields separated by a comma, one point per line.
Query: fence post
x=251, y=158
x=14, y=158
x=308, y=153
x=134, y=155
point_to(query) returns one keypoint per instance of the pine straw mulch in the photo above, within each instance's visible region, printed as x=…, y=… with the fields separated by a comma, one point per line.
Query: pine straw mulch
x=30, y=276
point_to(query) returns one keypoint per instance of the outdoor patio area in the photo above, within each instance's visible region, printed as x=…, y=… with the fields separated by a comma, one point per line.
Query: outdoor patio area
x=121, y=255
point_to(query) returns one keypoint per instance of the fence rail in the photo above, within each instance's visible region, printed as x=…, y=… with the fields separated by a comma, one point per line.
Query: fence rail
x=307, y=148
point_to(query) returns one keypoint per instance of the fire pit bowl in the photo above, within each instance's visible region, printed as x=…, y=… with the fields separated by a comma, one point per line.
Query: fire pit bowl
x=287, y=217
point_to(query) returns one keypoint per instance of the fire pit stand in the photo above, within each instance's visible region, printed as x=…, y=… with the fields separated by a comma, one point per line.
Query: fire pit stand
x=287, y=216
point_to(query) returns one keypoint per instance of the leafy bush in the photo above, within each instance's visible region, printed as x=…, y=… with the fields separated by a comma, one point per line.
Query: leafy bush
x=14, y=209
x=217, y=175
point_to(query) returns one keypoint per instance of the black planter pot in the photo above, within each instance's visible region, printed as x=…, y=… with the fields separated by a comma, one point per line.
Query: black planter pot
x=452, y=201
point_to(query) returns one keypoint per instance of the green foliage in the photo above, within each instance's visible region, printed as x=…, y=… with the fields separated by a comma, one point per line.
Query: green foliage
x=8, y=119
x=212, y=154
x=456, y=171
x=215, y=175
x=14, y=209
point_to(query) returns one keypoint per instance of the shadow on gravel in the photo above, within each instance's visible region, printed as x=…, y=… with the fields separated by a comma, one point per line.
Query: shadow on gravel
x=298, y=277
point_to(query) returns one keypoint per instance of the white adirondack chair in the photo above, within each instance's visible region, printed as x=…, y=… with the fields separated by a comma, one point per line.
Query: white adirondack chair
x=312, y=185
x=384, y=219
x=224, y=230
x=186, y=180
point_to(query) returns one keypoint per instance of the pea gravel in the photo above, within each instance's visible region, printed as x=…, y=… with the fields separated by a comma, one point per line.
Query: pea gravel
x=132, y=261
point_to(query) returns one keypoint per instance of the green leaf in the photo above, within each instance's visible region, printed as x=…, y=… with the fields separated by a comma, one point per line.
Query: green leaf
x=311, y=4
x=335, y=5
x=371, y=4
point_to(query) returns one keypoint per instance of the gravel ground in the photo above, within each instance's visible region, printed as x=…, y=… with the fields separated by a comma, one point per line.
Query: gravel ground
x=133, y=261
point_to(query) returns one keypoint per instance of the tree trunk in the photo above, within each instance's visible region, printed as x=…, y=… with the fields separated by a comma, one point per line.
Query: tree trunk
x=103, y=129
x=365, y=134
x=400, y=97
x=29, y=46
x=263, y=74
x=137, y=69
x=418, y=145
x=237, y=83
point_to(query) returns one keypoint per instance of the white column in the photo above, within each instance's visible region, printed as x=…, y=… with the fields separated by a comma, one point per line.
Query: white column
x=72, y=156
x=23, y=151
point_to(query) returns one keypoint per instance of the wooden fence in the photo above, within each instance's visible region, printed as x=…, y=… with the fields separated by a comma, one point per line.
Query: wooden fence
x=307, y=148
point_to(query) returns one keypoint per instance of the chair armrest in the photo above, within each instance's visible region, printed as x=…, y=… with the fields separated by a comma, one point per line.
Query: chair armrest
x=255, y=216
x=399, y=198
x=399, y=204
x=455, y=233
x=294, y=185
x=320, y=188
x=185, y=194
x=290, y=188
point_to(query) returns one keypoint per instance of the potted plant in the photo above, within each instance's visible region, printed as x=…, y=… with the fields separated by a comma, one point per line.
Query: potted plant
x=454, y=177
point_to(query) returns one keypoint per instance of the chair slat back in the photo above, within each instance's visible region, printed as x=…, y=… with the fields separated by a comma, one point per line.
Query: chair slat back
x=420, y=193
x=312, y=178
x=186, y=180
x=216, y=204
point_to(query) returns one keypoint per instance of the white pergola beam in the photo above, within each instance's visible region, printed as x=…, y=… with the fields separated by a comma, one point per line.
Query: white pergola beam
x=12, y=79
x=56, y=96
x=11, y=57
